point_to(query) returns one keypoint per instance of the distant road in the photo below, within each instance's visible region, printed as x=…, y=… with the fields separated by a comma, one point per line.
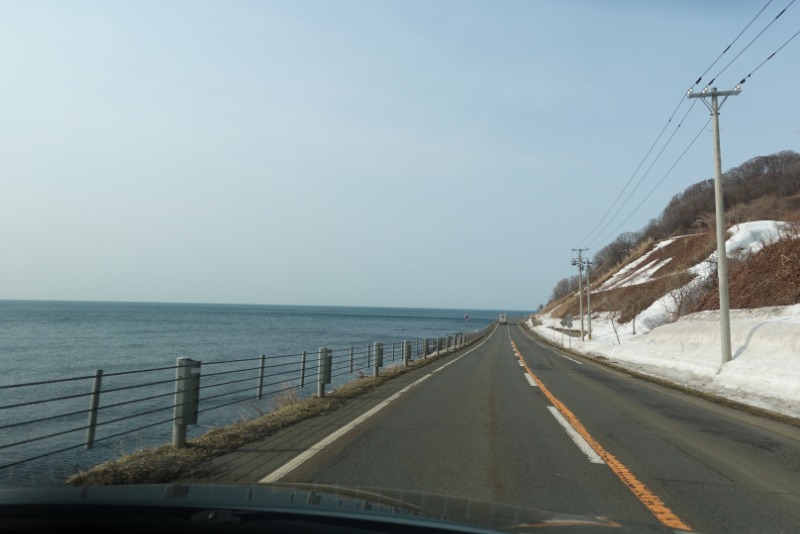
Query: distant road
x=578, y=438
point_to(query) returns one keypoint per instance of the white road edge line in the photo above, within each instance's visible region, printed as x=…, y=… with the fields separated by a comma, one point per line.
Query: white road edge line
x=324, y=442
x=577, y=438
x=308, y=453
x=554, y=349
x=531, y=381
x=567, y=357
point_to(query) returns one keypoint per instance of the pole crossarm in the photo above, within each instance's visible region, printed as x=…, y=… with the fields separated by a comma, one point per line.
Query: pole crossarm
x=714, y=94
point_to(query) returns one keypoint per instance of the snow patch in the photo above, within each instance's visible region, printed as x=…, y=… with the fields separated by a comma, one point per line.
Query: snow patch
x=633, y=274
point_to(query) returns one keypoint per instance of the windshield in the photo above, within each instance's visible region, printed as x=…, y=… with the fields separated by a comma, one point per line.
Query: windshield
x=271, y=252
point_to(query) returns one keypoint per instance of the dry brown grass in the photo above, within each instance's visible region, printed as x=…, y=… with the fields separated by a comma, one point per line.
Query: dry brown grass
x=769, y=277
x=682, y=253
x=284, y=399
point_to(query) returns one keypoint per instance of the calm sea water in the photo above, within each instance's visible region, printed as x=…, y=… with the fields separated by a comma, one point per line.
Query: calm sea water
x=42, y=341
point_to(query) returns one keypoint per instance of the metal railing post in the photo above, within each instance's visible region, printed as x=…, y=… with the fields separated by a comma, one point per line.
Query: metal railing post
x=94, y=404
x=261, y=377
x=303, y=370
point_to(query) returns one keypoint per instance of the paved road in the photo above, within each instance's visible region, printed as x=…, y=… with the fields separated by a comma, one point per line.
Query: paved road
x=571, y=436
x=716, y=468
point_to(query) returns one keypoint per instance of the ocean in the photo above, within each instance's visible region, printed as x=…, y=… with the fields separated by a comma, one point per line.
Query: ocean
x=60, y=345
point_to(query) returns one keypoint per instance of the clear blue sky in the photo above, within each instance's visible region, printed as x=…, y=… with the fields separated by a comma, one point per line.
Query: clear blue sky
x=392, y=153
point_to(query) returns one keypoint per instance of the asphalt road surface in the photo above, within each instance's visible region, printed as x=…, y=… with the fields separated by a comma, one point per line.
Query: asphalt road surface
x=514, y=421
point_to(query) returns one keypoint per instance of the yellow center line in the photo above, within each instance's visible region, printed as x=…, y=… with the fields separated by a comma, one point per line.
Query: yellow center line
x=653, y=503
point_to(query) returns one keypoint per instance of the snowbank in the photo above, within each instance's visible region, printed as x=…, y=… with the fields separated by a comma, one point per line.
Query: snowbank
x=764, y=371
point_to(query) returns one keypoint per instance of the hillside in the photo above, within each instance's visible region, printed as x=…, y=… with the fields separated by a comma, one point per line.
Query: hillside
x=658, y=315
x=770, y=277
x=655, y=295
x=660, y=258
x=681, y=272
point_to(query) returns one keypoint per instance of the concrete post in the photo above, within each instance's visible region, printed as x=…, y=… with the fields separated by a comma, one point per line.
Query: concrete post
x=378, y=358
x=324, y=361
x=187, y=398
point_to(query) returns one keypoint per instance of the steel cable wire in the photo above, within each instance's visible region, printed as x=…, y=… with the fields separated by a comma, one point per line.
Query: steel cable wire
x=363, y=354
x=43, y=419
x=44, y=401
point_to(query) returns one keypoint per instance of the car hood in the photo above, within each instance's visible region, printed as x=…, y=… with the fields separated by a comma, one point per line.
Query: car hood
x=223, y=508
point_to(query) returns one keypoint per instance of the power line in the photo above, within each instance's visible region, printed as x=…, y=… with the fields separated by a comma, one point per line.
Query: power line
x=699, y=79
x=769, y=57
x=600, y=227
x=748, y=44
x=599, y=230
x=641, y=203
x=622, y=192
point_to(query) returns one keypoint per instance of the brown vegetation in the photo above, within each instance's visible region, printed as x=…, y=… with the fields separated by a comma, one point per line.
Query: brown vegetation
x=770, y=277
x=763, y=188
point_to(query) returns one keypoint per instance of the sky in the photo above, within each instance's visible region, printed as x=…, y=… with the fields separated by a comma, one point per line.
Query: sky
x=409, y=153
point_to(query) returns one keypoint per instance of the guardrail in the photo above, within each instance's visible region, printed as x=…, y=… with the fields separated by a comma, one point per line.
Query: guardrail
x=46, y=417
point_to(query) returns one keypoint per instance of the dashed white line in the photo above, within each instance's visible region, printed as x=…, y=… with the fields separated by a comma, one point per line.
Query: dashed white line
x=531, y=381
x=567, y=357
x=582, y=444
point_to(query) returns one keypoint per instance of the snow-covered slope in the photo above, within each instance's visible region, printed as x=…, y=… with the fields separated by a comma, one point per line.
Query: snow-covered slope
x=765, y=370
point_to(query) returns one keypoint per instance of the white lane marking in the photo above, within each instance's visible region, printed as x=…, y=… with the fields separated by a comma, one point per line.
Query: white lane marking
x=520, y=363
x=577, y=438
x=324, y=442
x=529, y=336
x=567, y=357
x=531, y=381
x=308, y=453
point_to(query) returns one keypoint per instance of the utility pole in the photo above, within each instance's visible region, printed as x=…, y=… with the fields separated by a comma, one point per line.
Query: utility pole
x=579, y=263
x=589, y=296
x=722, y=258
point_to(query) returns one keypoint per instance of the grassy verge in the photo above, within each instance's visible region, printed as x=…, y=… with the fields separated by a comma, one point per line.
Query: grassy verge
x=166, y=464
